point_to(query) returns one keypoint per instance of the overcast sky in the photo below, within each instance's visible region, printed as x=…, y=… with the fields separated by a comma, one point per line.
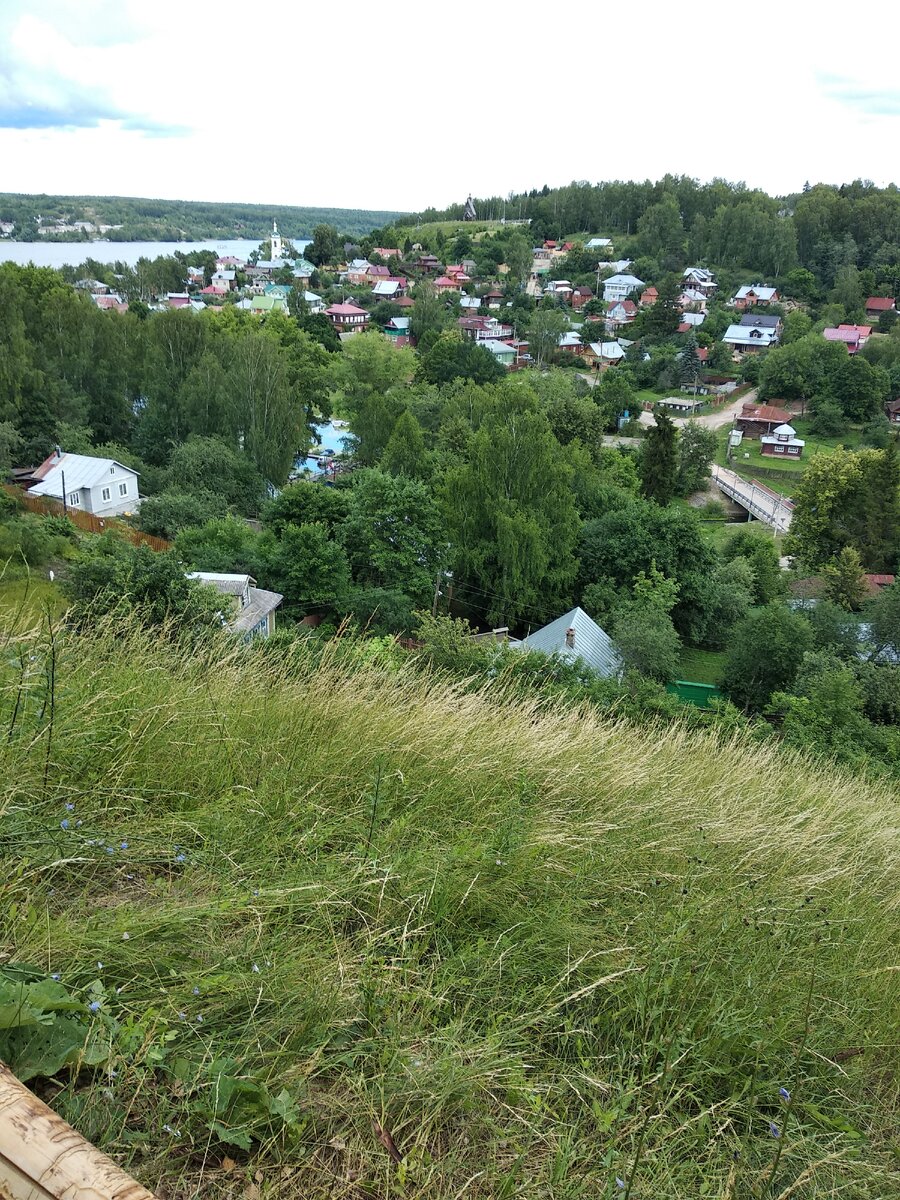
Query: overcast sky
x=360, y=105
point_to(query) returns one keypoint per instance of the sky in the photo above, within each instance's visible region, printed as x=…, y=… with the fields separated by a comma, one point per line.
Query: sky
x=358, y=105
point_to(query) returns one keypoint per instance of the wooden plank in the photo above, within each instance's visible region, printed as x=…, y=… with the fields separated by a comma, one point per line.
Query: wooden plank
x=43, y=1158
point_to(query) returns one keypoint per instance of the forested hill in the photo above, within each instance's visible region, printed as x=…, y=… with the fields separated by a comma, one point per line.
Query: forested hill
x=138, y=219
x=822, y=228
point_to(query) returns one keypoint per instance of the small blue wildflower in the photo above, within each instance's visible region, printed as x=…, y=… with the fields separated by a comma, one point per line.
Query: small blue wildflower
x=255, y=969
x=123, y=845
x=195, y=990
x=256, y=891
x=180, y=858
x=56, y=975
x=784, y=1094
x=620, y=1184
x=70, y=807
x=94, y=1006
x=110, y=849
x=182, y=1016
x=64, y=823
x=200, y=1018
x=99, y=966
x=774, y=1130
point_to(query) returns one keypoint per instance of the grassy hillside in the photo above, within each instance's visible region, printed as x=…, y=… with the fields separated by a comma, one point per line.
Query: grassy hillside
x=326, y=929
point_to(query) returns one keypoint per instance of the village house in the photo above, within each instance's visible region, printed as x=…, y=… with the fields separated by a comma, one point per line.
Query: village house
x=747, y=297
x=758, y=320
x=649, y=296
x=469, y=304
x=347, y=318
x=571, y=342
x=249, y=610
x=699, y=279
x=228, y=263
x=101, y=486
x=111, y=302
x=224, y=280
x=386, y=253
x=617, y=287
x=755, y=420
x=598, y=243
x=876, y=305
x=444, y=284
x=693, y=300
x=357, y=271
x=620, y=314
x=483, y=329
x=178, y=299
x=854, y=337
x=685, y=405
x=428, y=263
x=749, y=340
x=580, y=297
x=575, y=637
x=493, y=299
x=397, y=329
x=782, y=441
x=503, y=352
x=559, y=287
x=892, y=411
x=691, y=320
x=603, y=355
x=389, y=289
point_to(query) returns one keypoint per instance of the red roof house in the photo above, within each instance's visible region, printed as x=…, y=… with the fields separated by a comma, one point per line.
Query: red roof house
x=444, y=283
x=649, y=296
x=876, y=305
x=347, y=318
x=758, y=419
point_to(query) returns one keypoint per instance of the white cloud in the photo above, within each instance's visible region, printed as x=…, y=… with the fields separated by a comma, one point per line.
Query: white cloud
x=352, y=105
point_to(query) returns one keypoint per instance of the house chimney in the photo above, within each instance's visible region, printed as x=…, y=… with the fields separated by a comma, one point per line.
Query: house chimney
x=57, y=450
x=570, y=637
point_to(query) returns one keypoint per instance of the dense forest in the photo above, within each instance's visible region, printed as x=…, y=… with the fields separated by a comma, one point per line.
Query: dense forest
x=144, y=220
x=823, y=228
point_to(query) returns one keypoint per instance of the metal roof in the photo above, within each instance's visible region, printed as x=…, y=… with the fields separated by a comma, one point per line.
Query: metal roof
x=81, y=471
x=592, y=646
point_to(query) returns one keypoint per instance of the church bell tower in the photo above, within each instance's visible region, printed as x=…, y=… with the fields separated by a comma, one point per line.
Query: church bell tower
x=277, y=244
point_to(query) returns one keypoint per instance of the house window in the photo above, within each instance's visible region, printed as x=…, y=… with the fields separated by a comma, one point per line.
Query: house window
x=123, y=489
x=106, y=494
x=112, y=470
x=74, y=499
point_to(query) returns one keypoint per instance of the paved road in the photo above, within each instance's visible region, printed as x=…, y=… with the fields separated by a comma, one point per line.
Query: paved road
x=760, y=501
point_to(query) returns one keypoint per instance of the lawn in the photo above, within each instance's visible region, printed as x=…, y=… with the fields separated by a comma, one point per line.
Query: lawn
x=701, y=666
x=749, y=462
x=25, y=601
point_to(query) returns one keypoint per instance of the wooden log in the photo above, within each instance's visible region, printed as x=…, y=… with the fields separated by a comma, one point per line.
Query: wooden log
x=43, y=1158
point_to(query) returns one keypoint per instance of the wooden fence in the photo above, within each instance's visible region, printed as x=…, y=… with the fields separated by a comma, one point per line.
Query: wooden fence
x=48, y=507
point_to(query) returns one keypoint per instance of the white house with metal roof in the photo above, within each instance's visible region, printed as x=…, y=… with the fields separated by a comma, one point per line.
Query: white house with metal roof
x=575, y=637
x=744, y=337
x=100, y=486
x=618, y=287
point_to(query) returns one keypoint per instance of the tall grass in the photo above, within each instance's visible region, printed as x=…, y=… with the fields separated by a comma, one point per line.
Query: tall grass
x=461, y=946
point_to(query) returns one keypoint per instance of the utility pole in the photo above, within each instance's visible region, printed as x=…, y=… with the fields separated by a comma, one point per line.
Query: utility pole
x=65, y=501
x=437, y=594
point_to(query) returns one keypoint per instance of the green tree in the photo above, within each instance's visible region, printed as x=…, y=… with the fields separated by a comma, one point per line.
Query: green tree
x=454, y=357
x=658, y=461
x=405, y=451
x=845, y=581
x=429, y=312
x=511, y=516
x=306, y=503
x=518, y=257
x=647, y=641
x=394, y=535
x=226, y=544
x=761, y=554
x=167, y=514
x=325, y=248
x=696, y=451
x=545, y=329
x=308, y=567
x=207, y=465
x=764, y=655
x=114, y=577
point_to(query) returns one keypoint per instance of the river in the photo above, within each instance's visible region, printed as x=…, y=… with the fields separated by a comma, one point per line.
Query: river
x=59, y=254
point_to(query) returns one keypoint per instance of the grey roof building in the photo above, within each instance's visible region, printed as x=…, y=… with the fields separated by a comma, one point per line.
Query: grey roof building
x=252, y=609
x=575, y=636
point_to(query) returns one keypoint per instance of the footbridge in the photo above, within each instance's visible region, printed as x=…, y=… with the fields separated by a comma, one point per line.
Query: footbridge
x=759, y=501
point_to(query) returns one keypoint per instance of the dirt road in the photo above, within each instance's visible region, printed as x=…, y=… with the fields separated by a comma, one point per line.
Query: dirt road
x=714, y=420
